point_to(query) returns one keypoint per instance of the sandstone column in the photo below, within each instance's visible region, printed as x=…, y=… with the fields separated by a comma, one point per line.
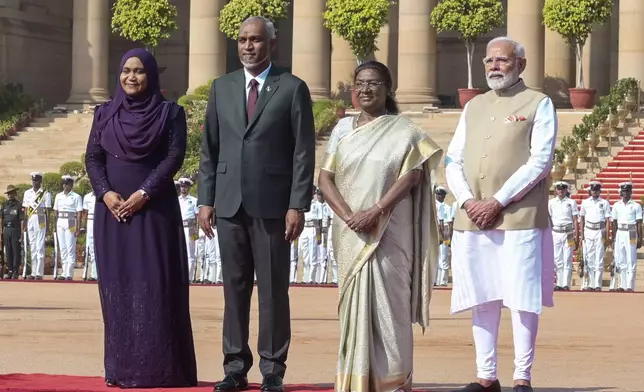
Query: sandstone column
x=596, y=60
x=525, y=26
x=559, y=68
x=631, y=45
x=207, y=53
x=343, y=64
x=417, y=61
x=311, y=47
x=90, y=52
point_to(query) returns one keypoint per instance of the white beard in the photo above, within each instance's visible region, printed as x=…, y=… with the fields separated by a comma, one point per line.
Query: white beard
x=503, y=83
x=251, y=65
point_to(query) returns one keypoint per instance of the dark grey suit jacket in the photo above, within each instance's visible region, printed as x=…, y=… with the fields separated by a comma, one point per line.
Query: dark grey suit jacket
x=267, y=165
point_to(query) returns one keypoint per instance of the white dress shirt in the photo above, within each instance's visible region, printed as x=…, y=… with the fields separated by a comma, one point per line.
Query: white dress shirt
x=627, y=213
x=542, y=144
x=70, y=202
x=261, y=78
x=595, y=210
x=562, y=211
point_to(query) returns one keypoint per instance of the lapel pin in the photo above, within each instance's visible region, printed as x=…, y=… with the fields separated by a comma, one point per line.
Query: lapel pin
x=268, y=88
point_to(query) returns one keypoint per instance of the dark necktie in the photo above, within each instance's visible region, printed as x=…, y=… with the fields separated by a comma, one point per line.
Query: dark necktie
x=253, y=94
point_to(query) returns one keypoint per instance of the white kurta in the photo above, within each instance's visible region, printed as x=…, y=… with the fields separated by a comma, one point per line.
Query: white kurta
x=514, y=266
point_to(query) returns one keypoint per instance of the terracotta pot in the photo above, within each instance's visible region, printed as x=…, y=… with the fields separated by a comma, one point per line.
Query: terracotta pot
x=582, y=98
x=354, y=99
x=465, y=94
x=341, y=112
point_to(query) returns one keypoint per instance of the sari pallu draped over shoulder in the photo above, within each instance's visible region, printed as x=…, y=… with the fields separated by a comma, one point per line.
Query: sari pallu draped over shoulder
x=386, y=276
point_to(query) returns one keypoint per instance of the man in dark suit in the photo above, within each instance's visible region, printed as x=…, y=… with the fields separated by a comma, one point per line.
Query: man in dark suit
x=257, y=165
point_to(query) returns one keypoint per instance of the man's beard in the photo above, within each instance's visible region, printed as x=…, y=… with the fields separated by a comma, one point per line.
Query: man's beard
x=506, y=81
x=248, y=65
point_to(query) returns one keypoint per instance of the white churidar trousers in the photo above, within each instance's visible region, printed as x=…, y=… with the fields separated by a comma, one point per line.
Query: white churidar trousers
x=594, y=257
x=36, y=238
x=67, y=248
x=486, y=319
x=308, y=249
x=625, y=260
x=563, y=259
x=492, y=269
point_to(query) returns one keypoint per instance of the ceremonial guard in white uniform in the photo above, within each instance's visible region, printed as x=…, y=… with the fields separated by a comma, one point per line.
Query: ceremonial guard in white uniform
x=331, y=261
x=565, y=232
x=68, y=206
x=323, y=255
x=594, y=215
x=189, y=211
x=309, y=241
x=444, y=214
x=295, y=258
x=89, y=202
x=627, y=238
x=37, y=204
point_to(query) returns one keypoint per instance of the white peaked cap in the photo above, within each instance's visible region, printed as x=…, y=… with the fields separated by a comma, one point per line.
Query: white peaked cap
x=184, y=180
x=67, y=177
x=177, y=182
x=441, y=188
x=34, y=174
x=562, y=183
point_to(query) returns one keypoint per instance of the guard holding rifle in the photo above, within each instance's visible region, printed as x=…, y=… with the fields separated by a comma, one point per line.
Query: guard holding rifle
x=13, y=225
x=627, y=237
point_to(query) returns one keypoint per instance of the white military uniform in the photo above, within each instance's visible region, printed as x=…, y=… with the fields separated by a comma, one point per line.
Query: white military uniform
x=323, y=256
x=295, y=258
x=308, y=246
x=563, y=213
x=444, y=214
x=36, y=204
x=595, y=213
x=209, y=248
x=625, y=250
x=189, y=211
x=67, y=207
x=89, y=202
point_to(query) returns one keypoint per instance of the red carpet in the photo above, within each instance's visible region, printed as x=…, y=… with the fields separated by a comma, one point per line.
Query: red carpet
x=56, y=383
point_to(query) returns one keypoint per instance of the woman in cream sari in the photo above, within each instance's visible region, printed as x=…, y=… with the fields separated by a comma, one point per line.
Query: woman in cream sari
x=377, y=178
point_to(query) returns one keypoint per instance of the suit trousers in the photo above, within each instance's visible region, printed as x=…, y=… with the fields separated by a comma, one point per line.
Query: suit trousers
x=11, y=239
x=250, y=245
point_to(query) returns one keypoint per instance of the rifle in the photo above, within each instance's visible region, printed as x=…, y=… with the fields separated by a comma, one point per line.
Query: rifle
x=55, y=255
x=325, y=267
x=24, y=255
x=612, y=270
x=202, y=256
x=581, y=261
x=86, y=260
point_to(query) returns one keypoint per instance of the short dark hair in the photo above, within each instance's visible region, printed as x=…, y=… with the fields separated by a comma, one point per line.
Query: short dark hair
x=390, y=103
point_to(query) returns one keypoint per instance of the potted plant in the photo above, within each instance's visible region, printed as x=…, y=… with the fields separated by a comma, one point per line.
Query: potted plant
x=580, y=133
x=470, y=19
x=569, y=147
x=358, y=22
x=574, y=20
x=235, y=12
x=558, y=169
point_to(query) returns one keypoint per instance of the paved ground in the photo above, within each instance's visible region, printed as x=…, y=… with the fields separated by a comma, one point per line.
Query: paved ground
x=589, y=342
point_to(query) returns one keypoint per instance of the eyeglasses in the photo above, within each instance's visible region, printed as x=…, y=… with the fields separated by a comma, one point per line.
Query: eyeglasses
x=372, y=84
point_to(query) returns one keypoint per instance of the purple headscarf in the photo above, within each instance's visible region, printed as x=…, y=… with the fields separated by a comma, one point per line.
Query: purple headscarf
x=132, y=127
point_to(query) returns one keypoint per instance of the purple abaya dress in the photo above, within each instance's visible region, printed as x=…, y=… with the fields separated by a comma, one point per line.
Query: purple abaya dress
x=144, y=283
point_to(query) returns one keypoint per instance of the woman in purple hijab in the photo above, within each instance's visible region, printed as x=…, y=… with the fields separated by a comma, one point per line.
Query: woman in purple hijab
x=136, y=146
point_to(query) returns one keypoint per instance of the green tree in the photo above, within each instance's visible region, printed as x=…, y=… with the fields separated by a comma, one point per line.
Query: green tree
x=236, y=11
x=145, y=21
x=471, y=19
x=358, y=22
x=574, y=20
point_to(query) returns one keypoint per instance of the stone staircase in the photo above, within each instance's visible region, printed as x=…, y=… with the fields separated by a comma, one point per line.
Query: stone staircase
x=47, y=143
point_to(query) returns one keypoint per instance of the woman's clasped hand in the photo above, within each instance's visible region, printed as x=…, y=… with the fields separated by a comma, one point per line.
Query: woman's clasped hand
x=364, y=221
x=122, y=209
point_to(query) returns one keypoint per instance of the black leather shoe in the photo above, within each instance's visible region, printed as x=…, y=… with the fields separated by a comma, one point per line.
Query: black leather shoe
x=522, y=388
x=272, y=383
x=232, y=382
x=476, y=387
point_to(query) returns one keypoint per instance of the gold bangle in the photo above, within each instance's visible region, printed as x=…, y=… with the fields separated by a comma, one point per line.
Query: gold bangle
x=382, y=210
